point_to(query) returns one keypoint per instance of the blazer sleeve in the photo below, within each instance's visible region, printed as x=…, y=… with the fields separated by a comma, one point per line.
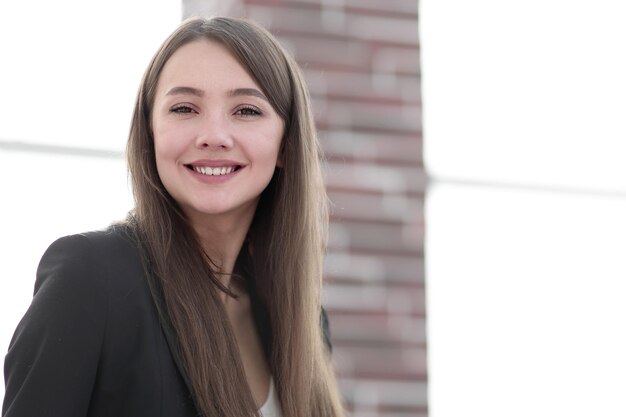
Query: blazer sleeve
x=51, y=366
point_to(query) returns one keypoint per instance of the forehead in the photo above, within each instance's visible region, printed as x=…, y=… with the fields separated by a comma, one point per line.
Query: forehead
x=205, y=64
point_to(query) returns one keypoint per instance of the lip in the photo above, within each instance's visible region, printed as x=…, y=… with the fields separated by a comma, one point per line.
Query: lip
x=214, y=163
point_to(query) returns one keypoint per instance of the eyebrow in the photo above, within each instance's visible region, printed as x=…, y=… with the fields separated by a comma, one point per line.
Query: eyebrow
x=185, y=90
x=232, y=93
x=247, y=92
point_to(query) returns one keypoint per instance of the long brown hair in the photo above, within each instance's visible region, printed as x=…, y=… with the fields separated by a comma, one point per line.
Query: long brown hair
x=285, y=244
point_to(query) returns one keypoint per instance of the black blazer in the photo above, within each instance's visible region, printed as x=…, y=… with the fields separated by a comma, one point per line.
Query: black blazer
x=93, y=342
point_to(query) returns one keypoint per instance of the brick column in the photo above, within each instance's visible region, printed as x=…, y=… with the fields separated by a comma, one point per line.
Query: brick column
x=361, y=61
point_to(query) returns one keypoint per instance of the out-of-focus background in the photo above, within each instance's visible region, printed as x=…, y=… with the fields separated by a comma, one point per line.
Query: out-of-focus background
x=477, y=262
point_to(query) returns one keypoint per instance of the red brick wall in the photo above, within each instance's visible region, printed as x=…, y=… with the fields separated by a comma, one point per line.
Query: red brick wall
x=361, y=61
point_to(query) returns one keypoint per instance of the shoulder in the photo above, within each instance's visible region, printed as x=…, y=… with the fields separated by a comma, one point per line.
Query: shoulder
x=91, y=259
x=117, y=239
x=79, y=318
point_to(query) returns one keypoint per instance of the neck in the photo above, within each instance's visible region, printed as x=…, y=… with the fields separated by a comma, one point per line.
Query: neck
x=221, y=238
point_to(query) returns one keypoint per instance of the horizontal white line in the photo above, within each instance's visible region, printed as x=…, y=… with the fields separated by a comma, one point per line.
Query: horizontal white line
x=553, y=189
x=20, y=146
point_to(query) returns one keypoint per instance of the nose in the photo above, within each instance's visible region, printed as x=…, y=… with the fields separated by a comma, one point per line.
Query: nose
x=214, y=133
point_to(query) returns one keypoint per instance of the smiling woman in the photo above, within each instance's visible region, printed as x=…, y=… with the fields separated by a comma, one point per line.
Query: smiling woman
x=216, y=138
x=206, y=300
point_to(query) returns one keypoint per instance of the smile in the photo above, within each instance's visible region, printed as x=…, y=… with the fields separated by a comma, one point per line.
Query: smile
x=214, y=171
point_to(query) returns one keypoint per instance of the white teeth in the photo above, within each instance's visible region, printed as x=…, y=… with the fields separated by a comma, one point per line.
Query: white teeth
x=213, y=171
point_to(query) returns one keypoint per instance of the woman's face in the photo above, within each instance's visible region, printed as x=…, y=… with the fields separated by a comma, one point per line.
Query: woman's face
x=216, y=136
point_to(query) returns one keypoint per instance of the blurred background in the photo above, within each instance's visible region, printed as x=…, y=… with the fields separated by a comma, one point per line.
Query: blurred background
x=475, y=152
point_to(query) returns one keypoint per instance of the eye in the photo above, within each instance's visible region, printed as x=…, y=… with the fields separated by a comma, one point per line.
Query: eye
x=248, y=111
x=181, y=109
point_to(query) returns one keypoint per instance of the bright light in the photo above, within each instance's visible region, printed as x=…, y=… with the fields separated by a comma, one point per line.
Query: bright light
x=528, y=92
x=70, y=70
x=525, y=301
x=524, y=132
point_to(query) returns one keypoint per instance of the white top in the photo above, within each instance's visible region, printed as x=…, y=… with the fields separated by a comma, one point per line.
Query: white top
x=271, y=408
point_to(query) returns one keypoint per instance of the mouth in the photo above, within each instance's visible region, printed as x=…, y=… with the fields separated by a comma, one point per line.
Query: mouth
x=214, y=171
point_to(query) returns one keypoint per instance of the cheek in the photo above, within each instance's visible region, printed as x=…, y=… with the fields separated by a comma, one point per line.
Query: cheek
x=165, y=144
x=280, y=157
x=277, y=148
x=160, y=152
x=271, y=157
x=166, y=153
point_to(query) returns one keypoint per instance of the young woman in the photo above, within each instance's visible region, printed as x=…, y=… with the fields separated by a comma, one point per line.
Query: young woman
x=206, y=300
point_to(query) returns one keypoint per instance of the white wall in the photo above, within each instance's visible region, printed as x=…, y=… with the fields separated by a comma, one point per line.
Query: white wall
x=525, y=139
x=70, y=70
